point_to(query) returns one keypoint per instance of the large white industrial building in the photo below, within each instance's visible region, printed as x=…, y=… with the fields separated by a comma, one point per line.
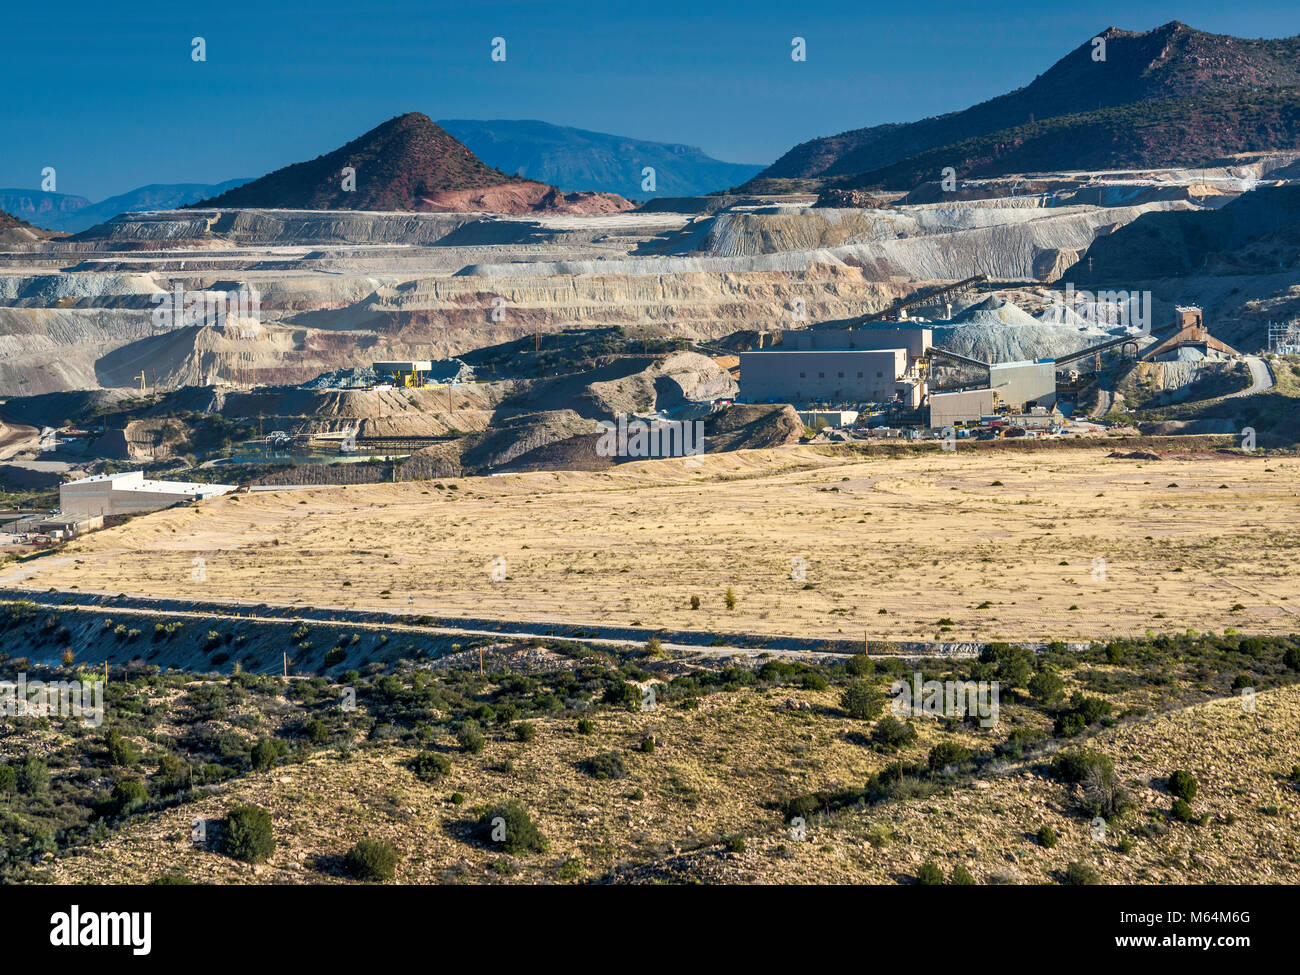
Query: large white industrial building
x=130, y=493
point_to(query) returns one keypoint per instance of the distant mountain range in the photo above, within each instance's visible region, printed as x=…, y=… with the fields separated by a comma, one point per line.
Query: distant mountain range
x=1155, y=100
x=577, y=159
x=407, y=163
x=71, y=214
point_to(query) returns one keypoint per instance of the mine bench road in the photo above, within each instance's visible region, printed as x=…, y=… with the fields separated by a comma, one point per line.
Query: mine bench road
x=684, y=641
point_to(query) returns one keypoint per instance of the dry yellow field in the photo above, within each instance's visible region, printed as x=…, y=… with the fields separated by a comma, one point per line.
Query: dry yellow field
x=819, y=542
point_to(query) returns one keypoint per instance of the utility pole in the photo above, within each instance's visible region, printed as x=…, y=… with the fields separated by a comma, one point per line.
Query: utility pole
x=285, y=653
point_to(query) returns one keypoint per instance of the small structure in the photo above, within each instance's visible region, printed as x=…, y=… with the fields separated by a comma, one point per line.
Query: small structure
x=130, y=493
x=1192, y=337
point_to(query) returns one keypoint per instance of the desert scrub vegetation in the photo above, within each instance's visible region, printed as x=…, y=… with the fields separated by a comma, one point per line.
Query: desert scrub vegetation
x=173, y=739
x=373, y=861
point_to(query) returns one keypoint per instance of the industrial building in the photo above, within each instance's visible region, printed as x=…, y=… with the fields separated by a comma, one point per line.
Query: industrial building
x=838, y=366
x=831, y=376
x=966, y=406
x=1020, y=385
x=130, y=493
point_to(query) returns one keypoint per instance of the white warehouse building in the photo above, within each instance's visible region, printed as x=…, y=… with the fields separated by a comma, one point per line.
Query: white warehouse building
x=130, y=493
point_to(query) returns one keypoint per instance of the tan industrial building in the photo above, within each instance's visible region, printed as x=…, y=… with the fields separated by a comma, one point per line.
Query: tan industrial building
x=967, y=406
x=1021, y=385
x=130, y=493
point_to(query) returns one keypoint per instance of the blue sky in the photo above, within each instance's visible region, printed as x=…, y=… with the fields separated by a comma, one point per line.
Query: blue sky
x=112, y=99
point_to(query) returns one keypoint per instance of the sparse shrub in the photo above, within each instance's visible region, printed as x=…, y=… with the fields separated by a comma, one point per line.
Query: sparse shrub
x=1046, y=837
x=947, y=753
x=730, y=598
x=509, y=827
x=648, y=744
x=813, y=681
x=1183, y=785
x=860, y=665
x=469, y=736
x=525, y=731
x=1073, y=765
x=33, y=777
x=248, y=834
x=961, y=877
x=265, y=754
x=120, y=750
x=373, y=861
x=734, y=843
x=695, y=602
x=890, y=734
x=605, y=765
x=1182, y=811
x=1045, y=686
x=586, y=726
x=929, y=875
x=1102, y=794
x=172, y=880
x=126, y=797
x=862, y=700
x=429, y=766
x=1079, y=874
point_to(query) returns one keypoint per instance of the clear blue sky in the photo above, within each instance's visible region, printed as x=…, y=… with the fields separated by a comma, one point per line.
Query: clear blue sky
x=111, y=98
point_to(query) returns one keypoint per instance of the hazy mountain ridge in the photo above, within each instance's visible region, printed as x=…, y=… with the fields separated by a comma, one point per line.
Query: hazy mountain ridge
x=72, y=214
x=579, y=159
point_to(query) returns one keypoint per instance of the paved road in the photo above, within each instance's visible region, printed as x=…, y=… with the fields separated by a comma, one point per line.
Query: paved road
x=1261, y=376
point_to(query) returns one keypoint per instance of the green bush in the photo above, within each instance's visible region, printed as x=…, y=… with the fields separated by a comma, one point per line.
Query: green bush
x=606, y=765
x=1073, y=765
x=335, y=655
x=1182, y=811
x=33, y=777
x=127, y=796
x=862, y=700
x=525, y=731
x=248, y=834
x=586, y=726
x=373, y=861
x=929, y=875
x=890, y=734
x=1079, y=874
x=265, y=754
x=1046, y=837
x=961, y=877
x=947, y=753
x=509, y=826
x=1183, y=785
x=429, y=766
x=469, y=736
x=120, y=750
x=860, y=665
x=1045, y=686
